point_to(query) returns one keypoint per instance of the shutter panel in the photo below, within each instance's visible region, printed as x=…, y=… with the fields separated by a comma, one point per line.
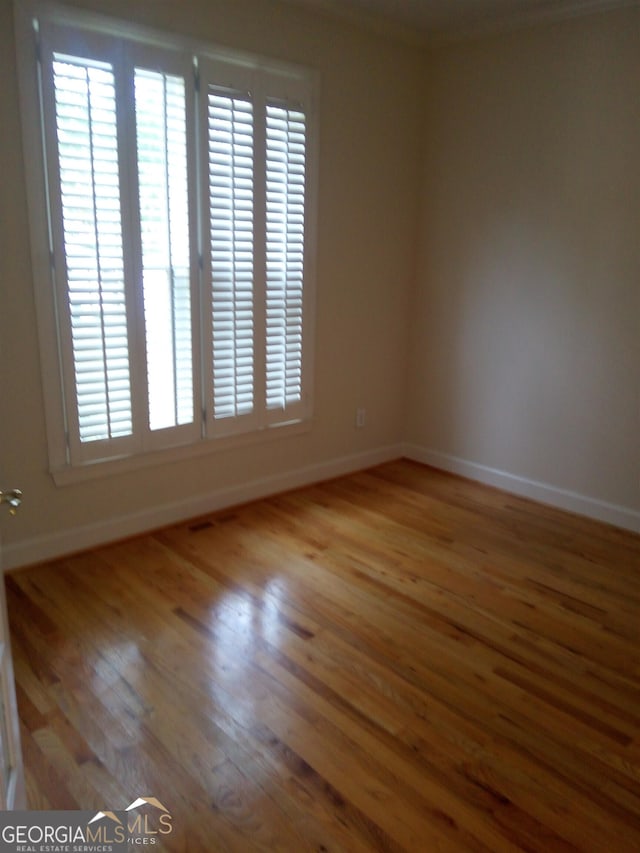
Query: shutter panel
x=230, y=201
x=161, y=137
x=285, y=200
x=158, y=280
x=85, y=115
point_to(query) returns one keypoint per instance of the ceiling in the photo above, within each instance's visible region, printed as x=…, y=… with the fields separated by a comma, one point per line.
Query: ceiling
x=425, y=19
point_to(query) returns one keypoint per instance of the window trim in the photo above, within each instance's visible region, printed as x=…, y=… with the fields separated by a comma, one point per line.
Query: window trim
x=295, y=76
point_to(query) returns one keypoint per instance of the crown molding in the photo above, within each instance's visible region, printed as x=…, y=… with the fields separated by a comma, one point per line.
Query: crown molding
x=439, y=34
x=372, y=22
x=548, y=14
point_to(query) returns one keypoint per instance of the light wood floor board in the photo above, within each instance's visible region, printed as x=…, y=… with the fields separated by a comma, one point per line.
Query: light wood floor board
x=397, y=660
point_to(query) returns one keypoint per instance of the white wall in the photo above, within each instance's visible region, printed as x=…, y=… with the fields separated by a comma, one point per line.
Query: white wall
x=525, y=363
x=367, y=234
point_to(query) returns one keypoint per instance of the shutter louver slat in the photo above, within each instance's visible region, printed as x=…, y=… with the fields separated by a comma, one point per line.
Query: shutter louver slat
x=230, y=197
x=285, y=141
x=85, y=111
x=161, y=132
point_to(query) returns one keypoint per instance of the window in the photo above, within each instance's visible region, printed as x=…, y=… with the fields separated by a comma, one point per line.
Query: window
x=176, y=309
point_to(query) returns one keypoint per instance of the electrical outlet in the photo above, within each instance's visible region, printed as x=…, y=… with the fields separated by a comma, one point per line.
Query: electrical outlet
x=361, y=418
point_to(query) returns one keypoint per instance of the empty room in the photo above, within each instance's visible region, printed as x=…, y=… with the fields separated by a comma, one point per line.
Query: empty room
x=320, y=433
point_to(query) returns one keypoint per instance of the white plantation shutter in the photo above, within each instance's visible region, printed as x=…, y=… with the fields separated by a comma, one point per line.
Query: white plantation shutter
x=230, y=209
x=285, y=205
x=161, y=142
x=176, y=188
x=85, y=116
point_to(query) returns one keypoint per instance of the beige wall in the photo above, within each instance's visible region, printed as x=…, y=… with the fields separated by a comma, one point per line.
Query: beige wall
x=367, y=228
x=526, y=348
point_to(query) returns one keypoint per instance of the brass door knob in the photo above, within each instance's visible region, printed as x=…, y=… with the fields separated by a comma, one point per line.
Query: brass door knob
x=13, y=498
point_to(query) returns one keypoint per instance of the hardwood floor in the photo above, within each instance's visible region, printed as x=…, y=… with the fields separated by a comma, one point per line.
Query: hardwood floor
x=395, y=660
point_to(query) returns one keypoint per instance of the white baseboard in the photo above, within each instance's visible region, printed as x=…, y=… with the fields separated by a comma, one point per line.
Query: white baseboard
x=87, y=536
x=58, y=544
x=621, y=516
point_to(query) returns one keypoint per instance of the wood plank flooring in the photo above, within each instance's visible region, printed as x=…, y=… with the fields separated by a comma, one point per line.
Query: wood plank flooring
x=398, y=660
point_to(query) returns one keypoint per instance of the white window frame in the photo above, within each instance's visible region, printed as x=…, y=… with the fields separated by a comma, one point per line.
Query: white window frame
x=231, y=68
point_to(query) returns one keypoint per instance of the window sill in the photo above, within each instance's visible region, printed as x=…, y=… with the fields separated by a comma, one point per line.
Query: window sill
x=70, y=475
